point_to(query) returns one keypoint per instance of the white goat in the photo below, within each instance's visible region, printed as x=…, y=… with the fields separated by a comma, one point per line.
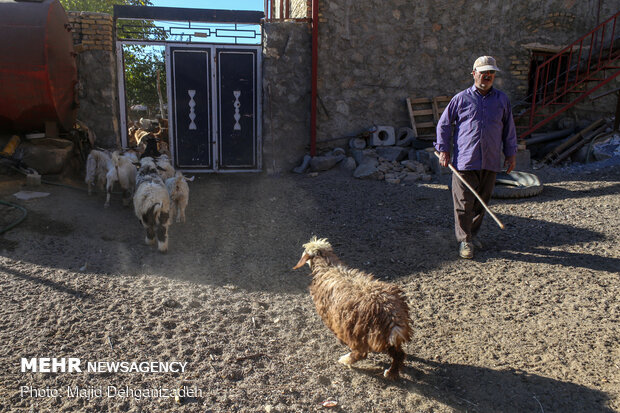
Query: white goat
x=97, y=165
x=152, y=204
x=164, y=166
x=179, y=195
x=122, y=171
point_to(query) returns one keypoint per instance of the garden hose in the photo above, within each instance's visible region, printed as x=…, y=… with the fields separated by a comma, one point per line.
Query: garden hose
x=24, y=214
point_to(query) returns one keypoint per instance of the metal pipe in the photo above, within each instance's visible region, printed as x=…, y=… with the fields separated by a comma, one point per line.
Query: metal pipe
x=548, y=136
x=534, y=93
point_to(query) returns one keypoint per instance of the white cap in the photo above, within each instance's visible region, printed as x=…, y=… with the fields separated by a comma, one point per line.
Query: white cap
x=484, y=63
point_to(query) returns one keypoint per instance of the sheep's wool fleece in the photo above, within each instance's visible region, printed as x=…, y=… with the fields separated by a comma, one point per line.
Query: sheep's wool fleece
x=316, y=245
x=149, y=194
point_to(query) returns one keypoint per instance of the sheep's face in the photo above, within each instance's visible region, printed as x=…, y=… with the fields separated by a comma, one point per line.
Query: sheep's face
x=312, y=249
x=305, y=259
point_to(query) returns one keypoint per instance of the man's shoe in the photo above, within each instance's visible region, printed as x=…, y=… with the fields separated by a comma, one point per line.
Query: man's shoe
x=476, y=243
x=466, y=250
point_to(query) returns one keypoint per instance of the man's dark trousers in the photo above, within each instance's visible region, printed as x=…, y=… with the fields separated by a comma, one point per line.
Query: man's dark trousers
x=468, y=211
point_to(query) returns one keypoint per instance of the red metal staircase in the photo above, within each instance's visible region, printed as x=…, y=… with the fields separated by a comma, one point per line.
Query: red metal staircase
x=571, y=75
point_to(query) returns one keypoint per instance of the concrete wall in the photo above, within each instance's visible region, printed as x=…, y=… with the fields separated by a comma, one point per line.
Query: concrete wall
x=96, y=64
x=374, y=54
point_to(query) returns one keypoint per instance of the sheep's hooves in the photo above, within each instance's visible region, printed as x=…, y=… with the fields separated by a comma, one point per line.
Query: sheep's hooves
x=346, y=360
x=391, y=375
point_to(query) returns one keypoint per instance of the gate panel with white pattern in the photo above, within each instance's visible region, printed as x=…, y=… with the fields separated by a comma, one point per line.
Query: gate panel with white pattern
x=220, y=83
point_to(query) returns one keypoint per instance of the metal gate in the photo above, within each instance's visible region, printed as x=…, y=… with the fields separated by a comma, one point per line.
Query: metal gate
x=215, y=107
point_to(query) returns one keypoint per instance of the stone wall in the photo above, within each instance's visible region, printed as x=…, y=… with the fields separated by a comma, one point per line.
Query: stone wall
x=96, y=62
x=374, y=54
x=286, y=94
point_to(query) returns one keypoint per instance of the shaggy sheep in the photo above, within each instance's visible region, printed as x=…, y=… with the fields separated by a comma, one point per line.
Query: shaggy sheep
x=365, y=314
x=165, y=168
x=132, y=154
x=98, y=164
x=152, y=204
x=123, y=171
x=179, y=195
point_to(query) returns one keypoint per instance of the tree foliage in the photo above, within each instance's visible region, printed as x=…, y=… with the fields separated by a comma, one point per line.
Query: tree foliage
x=100, y=6
x=141, y=63
x=141, y=67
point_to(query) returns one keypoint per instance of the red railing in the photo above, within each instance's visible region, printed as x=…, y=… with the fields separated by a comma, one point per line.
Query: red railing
x=591, y=58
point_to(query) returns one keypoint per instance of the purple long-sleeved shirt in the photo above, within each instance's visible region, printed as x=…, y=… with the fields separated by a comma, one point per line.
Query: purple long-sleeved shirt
x=482, y=124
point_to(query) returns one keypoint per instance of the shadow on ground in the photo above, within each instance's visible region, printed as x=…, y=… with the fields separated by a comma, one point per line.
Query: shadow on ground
x=480, y=389
x=249, y=230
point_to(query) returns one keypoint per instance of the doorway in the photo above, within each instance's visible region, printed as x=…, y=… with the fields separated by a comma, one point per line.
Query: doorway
x=215, y=107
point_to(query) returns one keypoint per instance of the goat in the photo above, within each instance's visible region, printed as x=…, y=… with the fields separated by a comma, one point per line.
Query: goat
x=123, y=171
x=151, y=203
x=166, y=170
x=179, y=195
x=148, y=146
x=365, y=314
x=97, y=165
x=132, y=141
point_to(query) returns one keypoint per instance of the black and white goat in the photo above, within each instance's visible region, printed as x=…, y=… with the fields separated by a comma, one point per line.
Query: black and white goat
x=151, y=203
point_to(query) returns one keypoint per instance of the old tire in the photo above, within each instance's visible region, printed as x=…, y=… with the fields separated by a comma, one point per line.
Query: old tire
x=516, y=184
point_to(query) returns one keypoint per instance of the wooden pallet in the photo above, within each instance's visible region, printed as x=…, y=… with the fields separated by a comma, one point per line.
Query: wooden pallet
x=424, y=114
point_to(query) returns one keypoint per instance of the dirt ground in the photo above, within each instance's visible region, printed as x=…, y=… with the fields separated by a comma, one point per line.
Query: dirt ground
x=531, y=324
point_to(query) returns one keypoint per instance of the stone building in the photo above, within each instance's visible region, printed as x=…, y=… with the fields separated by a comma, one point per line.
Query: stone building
x=372, y=55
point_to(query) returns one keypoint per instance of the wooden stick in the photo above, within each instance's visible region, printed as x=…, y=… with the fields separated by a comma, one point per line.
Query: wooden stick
x=458, y=175
x=411, y=118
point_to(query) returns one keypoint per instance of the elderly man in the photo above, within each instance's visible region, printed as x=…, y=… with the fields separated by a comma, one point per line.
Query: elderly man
x=476, y=127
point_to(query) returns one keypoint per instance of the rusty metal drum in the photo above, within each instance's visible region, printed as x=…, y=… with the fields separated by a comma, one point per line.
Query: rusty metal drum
x=38, y=73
